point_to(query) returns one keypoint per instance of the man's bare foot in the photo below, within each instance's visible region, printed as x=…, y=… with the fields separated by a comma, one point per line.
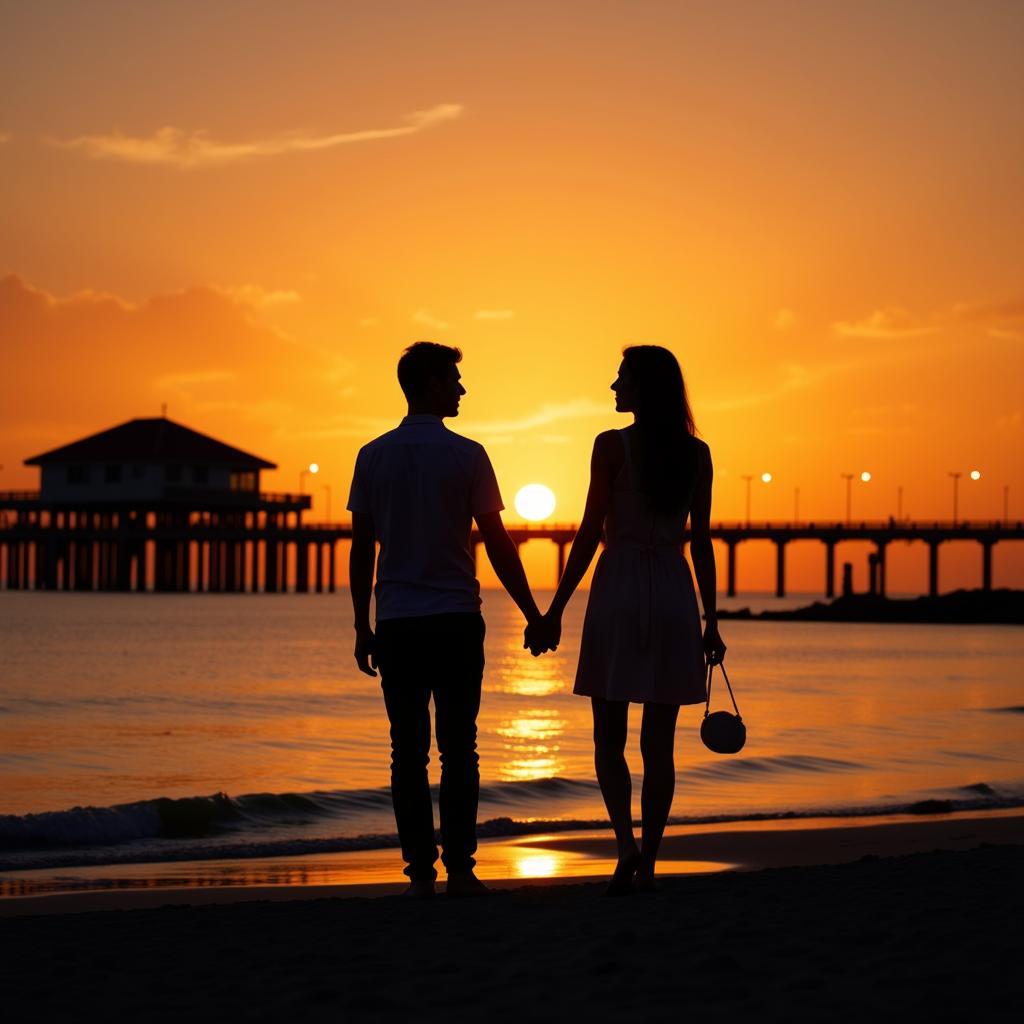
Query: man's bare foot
x=465, y=883
x=420, y=889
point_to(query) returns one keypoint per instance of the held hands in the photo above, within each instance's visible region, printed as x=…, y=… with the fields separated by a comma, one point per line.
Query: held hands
x=366, y=651
x=543, y=634
x=714, y=646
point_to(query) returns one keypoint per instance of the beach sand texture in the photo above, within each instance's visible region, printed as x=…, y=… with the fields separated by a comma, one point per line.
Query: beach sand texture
x=928, y=936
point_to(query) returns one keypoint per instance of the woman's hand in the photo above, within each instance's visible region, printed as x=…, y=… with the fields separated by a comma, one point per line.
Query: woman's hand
x=714, y=646
x=543, y=634
x=553, y=628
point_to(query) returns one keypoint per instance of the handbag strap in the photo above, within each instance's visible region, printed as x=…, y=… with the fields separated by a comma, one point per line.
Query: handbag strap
x=711, y=669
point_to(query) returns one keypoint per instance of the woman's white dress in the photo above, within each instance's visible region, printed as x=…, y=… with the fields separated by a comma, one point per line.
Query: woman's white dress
x=642, y=631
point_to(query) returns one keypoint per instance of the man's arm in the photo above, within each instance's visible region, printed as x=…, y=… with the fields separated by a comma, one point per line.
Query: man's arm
x=504, y=556
x=360, y=574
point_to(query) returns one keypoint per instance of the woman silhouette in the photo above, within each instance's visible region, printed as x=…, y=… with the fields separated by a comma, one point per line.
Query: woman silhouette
x=641, y=638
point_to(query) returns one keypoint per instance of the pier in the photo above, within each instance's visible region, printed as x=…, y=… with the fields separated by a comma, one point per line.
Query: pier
x=258, y=543
x=153, y=505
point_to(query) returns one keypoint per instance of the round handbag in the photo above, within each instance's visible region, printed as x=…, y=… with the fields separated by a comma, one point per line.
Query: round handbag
x=722, y=732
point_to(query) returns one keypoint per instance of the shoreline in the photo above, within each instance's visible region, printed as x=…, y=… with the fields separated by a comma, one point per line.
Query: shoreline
x=550, y=859
x=984, y=799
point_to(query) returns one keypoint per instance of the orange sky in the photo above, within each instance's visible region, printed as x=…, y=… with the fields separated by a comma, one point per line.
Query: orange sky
x=247, y=210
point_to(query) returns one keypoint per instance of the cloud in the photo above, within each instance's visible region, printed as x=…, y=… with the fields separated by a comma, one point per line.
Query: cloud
x=892, y=322
x=259, y=297
x=793, y=377
x=989, y=312
x=1002, y=320
x=174, y=147
x=496, y=431
x=71, y=365
x=549, y=412
x=785, y=319
x=185, y=382
x=493, y=314
x=427, y=319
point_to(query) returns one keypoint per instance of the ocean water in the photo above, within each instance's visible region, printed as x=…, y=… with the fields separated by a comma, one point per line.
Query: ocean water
x=173, y=727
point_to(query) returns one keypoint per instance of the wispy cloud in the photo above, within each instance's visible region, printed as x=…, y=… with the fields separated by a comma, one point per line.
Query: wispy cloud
x=184, y=382
x=785, y=319
x=493, y=314
x=427, y=319
x=1002, y=320
x=174, y=147
x=549, y=412
x=892, y=322
x=259, y=297
x=495, y=431
x=793, y=377
x=1005, y=334
x=987, y=312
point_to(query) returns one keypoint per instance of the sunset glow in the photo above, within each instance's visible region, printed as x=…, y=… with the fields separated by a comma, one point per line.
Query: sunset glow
x=815, y=206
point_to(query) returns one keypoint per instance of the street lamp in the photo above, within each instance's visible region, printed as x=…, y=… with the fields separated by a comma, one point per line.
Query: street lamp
x=956, y=485
x=766, y=478
x=327, y=488
x=865, y=477
x=313, y=468
x=796, y=505
x=974, y=474
x=848, y=477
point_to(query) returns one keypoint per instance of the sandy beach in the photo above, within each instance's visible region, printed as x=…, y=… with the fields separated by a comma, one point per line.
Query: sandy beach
x=863, y=926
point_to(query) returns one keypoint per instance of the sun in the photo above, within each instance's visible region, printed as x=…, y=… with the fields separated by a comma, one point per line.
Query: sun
x=535, y=502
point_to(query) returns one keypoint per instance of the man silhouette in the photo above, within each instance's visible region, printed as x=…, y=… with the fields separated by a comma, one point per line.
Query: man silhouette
x=416, y=490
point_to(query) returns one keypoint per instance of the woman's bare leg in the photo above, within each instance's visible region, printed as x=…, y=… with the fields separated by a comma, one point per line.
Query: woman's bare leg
x=610, y=721
x=657, y=746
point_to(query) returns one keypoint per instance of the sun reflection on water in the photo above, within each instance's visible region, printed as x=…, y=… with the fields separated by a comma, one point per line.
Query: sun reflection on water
x=537, y=865
x=530, y=752
x=528, y=677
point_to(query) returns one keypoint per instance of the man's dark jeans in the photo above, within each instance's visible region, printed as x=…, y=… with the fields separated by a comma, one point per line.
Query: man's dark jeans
x=440, y=656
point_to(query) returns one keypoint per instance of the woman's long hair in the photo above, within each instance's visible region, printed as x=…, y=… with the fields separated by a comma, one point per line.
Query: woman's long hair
x=668, y=456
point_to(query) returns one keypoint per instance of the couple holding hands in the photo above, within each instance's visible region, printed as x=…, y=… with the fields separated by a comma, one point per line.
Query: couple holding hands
x=416, y=491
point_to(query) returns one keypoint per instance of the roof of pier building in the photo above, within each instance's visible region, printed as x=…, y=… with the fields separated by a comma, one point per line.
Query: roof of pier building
x=151, y=440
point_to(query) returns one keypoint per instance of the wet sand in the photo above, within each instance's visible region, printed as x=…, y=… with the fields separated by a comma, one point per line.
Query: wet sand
x=505, y=862
x=911, y=936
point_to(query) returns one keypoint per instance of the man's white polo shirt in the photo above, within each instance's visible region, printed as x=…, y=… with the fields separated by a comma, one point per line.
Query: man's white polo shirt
x=423, y=484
